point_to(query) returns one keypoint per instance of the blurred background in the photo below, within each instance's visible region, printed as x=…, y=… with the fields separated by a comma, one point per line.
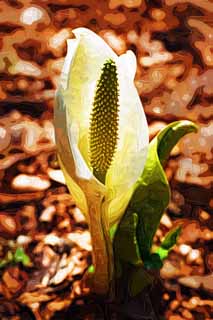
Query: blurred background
x=44, y=241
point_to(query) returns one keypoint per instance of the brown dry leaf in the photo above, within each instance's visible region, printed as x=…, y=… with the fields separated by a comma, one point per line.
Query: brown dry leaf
x=198, y=281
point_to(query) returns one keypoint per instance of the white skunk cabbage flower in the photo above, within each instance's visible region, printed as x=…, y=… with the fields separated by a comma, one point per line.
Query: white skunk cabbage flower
x=101, y=136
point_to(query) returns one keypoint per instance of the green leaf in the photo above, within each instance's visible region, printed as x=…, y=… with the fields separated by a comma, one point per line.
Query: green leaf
x=167, y=244
x=3, y=263
x=112, y=231
x=9, y=256
x=138, y=280
x=153, y=262
x=7, y=259
x=91, y=269
x=125, y=242
x=162, y=253
x=171, y=238
x=135, y=232
x=20, y=256
x=169, y=137
x=152, y=192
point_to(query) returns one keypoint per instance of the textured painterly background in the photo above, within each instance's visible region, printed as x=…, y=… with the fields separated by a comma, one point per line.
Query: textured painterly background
x=173, y=42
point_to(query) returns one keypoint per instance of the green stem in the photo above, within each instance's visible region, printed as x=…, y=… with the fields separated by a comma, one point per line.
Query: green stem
x=109, y=248
x=101, y=253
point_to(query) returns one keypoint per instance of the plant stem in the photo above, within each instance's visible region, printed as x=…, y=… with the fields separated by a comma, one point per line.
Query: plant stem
x=101, y=252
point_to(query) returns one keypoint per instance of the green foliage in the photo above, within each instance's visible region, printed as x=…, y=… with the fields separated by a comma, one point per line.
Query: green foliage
x=138, y=279
x=169, y=241
x=18, y=257
x=7, y=259
x=134, y=236
x=3, y=263
x=153, y=262
x=171, y=238
x=91, y=269
x=152, y=192
x=126, y=241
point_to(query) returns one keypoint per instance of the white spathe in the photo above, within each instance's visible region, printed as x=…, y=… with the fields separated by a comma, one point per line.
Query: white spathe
x=82, y=68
